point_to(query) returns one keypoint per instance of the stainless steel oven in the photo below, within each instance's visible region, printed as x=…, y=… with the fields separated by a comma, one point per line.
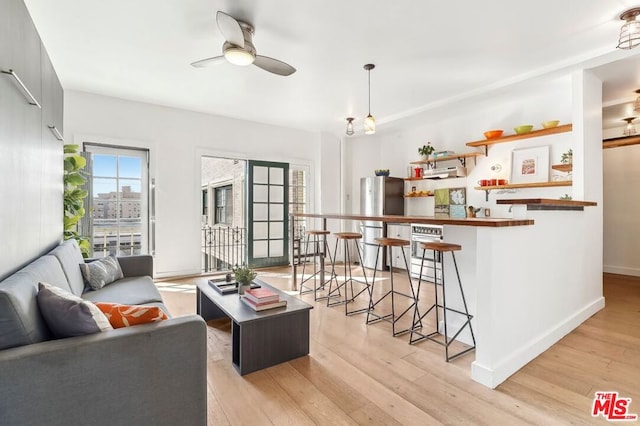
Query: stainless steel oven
x=432, y=263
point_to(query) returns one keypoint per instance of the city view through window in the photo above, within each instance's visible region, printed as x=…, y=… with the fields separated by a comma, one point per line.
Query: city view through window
x=119, y=203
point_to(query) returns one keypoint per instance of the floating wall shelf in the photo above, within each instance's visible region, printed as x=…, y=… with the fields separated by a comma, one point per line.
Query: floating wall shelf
x=510, y=138
x=549, y=204
x=460, y=157
x=487, y=189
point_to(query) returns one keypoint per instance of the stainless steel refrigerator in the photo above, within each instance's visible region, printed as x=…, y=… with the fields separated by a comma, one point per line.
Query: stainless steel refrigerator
x=379, y=195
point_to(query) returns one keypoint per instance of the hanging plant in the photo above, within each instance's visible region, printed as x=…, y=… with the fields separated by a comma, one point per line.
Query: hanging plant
x=74, y=196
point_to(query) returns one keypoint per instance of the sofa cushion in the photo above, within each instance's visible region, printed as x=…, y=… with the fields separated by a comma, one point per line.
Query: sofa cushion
x=69, y=255
x=101, y=272
x=20, y=319
x=68, y=315
x=127, y=291
x=129, y=315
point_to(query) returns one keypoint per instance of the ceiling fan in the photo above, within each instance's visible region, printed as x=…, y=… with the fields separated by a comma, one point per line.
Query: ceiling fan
x=239, y=49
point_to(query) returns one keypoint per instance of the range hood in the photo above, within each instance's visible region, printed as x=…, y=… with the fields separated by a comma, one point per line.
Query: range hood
x=445, y=172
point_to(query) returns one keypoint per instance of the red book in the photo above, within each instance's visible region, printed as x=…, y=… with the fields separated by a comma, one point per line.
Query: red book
x=261, y=294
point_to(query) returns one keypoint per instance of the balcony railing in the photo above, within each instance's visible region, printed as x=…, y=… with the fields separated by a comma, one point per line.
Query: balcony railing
x=223, y=247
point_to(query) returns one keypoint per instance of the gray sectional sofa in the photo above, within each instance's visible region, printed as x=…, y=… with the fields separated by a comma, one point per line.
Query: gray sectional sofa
x=146, y=374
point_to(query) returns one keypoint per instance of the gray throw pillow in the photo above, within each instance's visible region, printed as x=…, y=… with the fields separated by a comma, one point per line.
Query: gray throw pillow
x=68, y=315
x=101, y=272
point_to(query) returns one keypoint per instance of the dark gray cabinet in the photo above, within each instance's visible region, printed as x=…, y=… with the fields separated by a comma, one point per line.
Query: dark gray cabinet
x=30, y=157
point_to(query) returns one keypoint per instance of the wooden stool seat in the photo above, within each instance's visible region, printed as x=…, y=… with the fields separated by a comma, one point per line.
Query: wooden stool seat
x=348, y=235
x=444, y=247
x=393, y=242
x=317, y=232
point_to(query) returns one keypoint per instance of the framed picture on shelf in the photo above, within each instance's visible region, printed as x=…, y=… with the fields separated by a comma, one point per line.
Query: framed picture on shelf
x=530, y=165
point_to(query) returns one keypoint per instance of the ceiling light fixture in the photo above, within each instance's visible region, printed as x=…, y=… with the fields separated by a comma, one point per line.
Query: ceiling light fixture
x=350, y=126
x=238, y=56
x=369, y=121
x=629, y=128
x=630, y=30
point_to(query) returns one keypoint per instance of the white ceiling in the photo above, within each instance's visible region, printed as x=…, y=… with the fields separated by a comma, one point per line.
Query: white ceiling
x=426, y=53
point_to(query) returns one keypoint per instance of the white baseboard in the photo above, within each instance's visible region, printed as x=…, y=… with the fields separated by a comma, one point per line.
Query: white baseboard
x=621, y=270
x=492, y=377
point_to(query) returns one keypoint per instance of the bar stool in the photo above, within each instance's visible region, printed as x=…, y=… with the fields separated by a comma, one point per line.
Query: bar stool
x=439, y=249
x=346, y=237
x=388, y=243
x=319, y=236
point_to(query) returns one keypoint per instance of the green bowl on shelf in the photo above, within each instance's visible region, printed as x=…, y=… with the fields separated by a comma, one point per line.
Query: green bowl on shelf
x=525, y=128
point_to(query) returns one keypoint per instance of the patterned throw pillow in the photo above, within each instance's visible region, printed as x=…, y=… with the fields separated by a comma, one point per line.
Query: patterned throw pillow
x=68, y=315
x=128, y=315
x=101, y=272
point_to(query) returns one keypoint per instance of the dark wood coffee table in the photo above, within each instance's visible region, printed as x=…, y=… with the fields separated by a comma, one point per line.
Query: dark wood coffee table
x=259, y=339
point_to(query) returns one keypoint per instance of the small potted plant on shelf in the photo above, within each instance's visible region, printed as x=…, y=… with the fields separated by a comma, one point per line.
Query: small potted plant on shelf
x=426, y=150
x=567, y=157
x=244, y=275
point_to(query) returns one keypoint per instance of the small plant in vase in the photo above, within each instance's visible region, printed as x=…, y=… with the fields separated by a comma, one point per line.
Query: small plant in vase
x=244, y=275
x=426, y=150
x=567, y=157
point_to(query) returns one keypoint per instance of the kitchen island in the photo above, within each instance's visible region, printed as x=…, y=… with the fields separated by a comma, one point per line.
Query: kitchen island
x=523, y=286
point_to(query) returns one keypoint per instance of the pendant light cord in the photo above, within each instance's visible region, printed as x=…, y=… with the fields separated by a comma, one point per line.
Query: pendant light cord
x=369, y=72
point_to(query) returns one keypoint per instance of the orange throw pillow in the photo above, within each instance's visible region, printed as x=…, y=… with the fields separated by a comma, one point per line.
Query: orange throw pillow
x=128, y=315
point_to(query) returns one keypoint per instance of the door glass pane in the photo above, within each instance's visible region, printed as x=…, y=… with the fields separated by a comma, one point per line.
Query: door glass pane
x=276, y=176
x=276, y=212
x=260, y=212
x=260, y=230
x=104, y=165
x=260, y=174
x=276, y=248
x=260, y=249
x=129, y=167
x=276, y=194
x=260, y=193
x=276, y=230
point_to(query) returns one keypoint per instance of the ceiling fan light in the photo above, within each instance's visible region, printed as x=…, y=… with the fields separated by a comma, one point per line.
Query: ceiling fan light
x=238, y=56
x=369, y=125
x=630, y=30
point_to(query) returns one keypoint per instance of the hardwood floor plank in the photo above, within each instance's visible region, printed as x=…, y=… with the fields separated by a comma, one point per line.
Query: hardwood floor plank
x=359, y=374
x=317, y=406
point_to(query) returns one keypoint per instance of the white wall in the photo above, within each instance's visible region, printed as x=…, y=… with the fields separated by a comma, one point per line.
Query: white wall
x=621, y=206
x=177, y=139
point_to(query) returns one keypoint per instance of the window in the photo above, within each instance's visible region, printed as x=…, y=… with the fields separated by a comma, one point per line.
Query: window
x=224, y=205
x=119, y=204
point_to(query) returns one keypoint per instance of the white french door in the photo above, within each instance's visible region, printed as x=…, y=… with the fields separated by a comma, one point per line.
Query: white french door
x=118, y=200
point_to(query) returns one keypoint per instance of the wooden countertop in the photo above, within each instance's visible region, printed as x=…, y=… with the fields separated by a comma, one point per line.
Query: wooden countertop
x=480, y=221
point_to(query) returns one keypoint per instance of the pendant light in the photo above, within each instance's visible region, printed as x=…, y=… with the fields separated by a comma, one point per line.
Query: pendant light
x=350, y=131
x=630, y=30
x=629, y=128
x=369, y=121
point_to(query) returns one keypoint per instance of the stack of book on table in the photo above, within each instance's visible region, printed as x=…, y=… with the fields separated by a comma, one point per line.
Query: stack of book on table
x=260, y=299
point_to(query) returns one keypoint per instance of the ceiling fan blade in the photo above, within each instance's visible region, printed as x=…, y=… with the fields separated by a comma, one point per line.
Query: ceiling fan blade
x=209, y=61
x=273, y=65
x=230, y=29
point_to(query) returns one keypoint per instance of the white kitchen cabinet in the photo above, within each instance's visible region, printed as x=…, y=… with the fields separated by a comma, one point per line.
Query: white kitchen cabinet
x=402, y=231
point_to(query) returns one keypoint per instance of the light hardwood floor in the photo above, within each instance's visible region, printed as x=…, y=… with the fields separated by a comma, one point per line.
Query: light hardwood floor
x=359, y=374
